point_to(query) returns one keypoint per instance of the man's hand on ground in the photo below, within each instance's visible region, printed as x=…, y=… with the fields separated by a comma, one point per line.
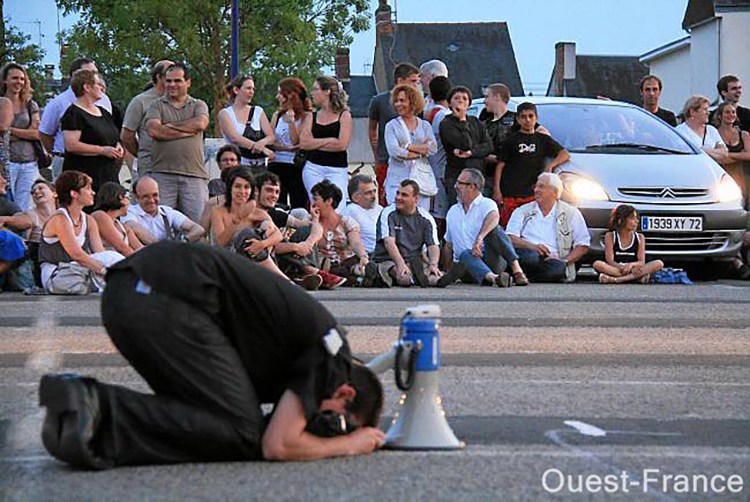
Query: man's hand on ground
x=366, y=440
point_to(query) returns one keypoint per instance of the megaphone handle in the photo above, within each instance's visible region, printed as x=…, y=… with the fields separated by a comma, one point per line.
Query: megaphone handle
x=411, y=365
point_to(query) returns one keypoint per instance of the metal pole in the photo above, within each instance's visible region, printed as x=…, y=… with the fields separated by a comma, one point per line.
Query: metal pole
x=235, y=38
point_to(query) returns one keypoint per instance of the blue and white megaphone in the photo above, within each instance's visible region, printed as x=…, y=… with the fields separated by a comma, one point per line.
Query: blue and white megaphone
x=419, y=423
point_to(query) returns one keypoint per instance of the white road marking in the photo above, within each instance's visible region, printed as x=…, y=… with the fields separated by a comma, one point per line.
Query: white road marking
x=586, y=429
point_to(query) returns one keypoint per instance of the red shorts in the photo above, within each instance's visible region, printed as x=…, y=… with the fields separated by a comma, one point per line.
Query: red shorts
x=509, y=205
x=381, y=171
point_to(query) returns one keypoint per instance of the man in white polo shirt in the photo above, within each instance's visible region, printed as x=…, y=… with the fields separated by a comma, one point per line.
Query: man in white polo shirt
x=364, y=208
x=474, y=239
x=153, y=222
x=549, y=235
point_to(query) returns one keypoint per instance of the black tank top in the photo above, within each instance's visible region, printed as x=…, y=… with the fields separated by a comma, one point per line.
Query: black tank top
x=739, y=146
x=329, y=159
x=627, y=255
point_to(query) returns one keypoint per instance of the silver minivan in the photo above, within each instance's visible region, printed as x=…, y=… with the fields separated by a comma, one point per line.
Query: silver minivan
x=690, y=208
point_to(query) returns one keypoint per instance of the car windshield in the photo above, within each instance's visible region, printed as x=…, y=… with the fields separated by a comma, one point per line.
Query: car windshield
x=588, y=128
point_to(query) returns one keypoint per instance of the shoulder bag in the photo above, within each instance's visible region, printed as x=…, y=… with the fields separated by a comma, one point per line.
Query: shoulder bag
x=420, y=170
x=43, y=157
x=253, y=135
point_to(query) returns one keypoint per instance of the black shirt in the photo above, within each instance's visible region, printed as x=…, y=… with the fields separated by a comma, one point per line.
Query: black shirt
x=275, y=326
x=321, y=131
x=498, y=130
x=9, y=208
x=524, y=156
x=666, y=116
x=100, y=131
x=279, y=216
x=463, y=135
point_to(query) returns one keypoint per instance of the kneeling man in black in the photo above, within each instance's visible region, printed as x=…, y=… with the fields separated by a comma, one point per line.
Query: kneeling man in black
x=215, y=336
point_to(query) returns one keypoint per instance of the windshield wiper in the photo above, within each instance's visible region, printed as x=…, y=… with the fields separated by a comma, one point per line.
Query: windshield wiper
x=646, y=148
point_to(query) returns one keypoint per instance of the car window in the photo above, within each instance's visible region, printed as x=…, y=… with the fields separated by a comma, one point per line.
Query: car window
x=586, y=128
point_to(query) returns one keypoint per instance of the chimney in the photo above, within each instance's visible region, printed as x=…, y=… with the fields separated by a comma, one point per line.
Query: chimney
x=342, y=65
x=383, y=19
x=565, y=65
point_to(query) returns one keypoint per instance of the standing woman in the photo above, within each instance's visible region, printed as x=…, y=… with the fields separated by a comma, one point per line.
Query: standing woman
x=408, y=139
x=738, y=146
x=294, y=106
x=697, y=130
x=90, y=134
x=246, y=126
x=22, y=166
x=325, y=136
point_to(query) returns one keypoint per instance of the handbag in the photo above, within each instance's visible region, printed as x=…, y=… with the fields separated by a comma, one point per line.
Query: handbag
x=43, y=157
x=253, y=135
x=421, y=170
x=300, y=158
x=71, y=279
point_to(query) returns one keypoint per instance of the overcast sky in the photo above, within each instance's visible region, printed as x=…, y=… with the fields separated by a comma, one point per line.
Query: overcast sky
x=604, y=27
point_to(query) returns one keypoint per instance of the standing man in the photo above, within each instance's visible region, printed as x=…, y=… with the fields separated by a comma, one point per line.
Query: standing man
x=521, y=160
x=549, y=235
x=428, y=71
x=176, y=123
x=474, y=239
x=50, y=132
x=380, y=114
x=134, y=136
x=404, y=229
x=214, y=345
x=650, y=87
x=364, y=208
x=730, y=89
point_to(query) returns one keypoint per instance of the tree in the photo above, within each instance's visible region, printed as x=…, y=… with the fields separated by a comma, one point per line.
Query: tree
x=15, y=46
x=278, y=38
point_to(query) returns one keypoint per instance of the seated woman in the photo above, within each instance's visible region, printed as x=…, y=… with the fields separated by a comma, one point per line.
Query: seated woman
x=72, y=236
x=240, y=212
x=625, y=250
x=112, y=203
x=227, y=158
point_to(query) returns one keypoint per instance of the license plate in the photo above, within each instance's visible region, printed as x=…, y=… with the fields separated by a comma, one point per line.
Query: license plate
x=672, y=223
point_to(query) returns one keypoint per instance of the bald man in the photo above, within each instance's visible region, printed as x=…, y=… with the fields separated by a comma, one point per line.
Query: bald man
x=153, y=222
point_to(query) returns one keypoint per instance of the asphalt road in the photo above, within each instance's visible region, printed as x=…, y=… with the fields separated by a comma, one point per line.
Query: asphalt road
x=559, y=383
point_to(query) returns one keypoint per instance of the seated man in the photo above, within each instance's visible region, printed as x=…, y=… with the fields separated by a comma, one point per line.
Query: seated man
x=549, y=235
x=474, y=239
x=296, y=256
x=404, y=230
x=364, y=208
x=236, y=336
x=153, y=222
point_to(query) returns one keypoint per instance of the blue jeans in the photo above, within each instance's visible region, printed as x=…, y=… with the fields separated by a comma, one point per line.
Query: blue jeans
x=498, y=253
x=540, y=270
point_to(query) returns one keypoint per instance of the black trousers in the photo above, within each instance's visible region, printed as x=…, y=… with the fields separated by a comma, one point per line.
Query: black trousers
x=292, y=187
x=204, y=406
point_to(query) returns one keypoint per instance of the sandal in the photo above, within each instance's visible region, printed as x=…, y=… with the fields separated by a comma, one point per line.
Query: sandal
x=607, y=279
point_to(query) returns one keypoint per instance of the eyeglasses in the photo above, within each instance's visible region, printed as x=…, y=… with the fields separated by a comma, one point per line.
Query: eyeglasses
x=465, y=183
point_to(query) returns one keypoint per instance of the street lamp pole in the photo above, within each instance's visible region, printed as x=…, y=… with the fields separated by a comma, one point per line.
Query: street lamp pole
x=235, y=38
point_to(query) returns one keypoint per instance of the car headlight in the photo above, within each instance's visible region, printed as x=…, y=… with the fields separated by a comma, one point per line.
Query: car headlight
x=728, y=189
x=583, y=188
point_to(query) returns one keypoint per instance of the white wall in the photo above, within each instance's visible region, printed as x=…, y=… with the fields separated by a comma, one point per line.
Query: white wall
x=735, y=49
x=674, y=71
x=704, y=48
x=359, y=150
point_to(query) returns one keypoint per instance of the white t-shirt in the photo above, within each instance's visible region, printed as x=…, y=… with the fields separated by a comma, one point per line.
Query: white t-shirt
x=368, y=222
x=542, y=229
x=463, y=227
x=709, y=139
x=155, y=224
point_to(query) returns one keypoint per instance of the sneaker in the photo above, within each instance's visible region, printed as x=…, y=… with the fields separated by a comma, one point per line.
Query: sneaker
x=310, y=282
x=330, y=281
x=385, y=276
x=520, y=279
x=417, y=270
x=503, y=280
x=450, y=277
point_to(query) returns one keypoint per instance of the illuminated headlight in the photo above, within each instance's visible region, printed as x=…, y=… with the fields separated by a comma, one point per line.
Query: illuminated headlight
x=583, y=188
x=728, y=189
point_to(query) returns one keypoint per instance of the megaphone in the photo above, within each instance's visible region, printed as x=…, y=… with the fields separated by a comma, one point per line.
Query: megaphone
x=419, y=422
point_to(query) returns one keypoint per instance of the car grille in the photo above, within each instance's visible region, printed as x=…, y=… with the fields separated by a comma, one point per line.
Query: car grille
x=664, y=192
x=668, y=242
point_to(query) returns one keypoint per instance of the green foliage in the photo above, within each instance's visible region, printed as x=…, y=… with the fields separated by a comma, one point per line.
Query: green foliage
x=278, y=38
x=17, y=48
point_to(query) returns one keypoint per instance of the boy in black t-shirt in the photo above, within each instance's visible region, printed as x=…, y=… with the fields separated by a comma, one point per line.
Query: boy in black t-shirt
x=521, y=160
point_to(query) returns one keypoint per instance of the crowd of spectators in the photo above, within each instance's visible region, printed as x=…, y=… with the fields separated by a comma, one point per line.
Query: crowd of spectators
x=454, y=197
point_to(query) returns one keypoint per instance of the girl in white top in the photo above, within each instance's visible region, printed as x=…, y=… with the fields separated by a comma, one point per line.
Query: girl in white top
x=43, y=196
x=294, y=106
x=696, y=129
x=70, y=231
x=112, y=203
x=407, y=138
x=233, y=120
